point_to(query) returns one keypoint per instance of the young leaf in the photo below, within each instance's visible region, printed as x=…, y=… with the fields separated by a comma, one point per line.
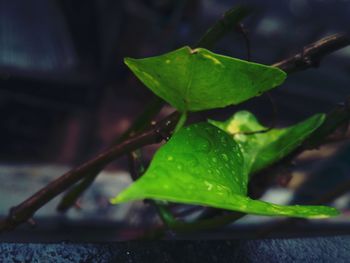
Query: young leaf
x=194, y=80
x=262, y=149
x=202, y=165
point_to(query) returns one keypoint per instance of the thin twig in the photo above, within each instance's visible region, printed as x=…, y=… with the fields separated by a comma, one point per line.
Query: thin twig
x=71, y=197
x=22, y=212
x=135, y=166
x=223, y=26
x=312, y=54
x=142, y=122
x=241, y=29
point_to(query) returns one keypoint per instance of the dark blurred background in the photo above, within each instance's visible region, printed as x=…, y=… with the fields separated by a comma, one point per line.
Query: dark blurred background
x=65, y=93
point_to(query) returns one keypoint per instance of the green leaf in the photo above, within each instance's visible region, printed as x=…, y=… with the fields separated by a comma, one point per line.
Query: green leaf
x=262, y=149
x=202, y=165
x=194, y=80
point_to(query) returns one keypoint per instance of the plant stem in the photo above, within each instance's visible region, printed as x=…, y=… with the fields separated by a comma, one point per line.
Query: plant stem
x=165, y=214
x=181, y=122
x=312, y=54
x=27, y=208
x=141, y=123
x=223, y=26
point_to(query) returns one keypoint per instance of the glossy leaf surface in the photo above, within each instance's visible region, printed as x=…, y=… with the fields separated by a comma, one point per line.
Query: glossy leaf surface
x=264, y=148
x=194, y=80
x=202, y=165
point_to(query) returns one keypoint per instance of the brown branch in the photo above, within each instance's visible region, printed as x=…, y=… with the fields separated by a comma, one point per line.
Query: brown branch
x=223, y=26
x=312, y=54
x=22, y=212
x=141, y=123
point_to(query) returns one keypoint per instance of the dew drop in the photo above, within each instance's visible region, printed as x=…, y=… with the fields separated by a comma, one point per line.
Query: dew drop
x=209, y=185
x=191, y=160
x=224, y=155
x=202, y=144
x=223, y=139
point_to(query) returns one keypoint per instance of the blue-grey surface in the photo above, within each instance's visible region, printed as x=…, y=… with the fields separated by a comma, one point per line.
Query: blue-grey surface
x=322, y=249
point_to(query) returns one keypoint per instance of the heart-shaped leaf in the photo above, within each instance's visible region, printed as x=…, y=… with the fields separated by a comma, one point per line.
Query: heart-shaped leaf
x=202, y=165
x=194, y=80
x=262, y=149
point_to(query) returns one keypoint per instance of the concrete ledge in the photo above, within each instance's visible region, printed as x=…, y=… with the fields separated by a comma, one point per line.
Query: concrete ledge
x=320, y=249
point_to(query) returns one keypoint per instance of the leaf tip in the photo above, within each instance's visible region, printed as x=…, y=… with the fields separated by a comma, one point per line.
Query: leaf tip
x=329, y=212
x=322, y=117
x=282, y=75
x=114, y=200
x=120, y=198
x=321, y=212
x=129, y=61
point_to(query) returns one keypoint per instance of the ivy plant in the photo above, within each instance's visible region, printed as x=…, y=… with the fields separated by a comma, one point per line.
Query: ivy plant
x=209, y=163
